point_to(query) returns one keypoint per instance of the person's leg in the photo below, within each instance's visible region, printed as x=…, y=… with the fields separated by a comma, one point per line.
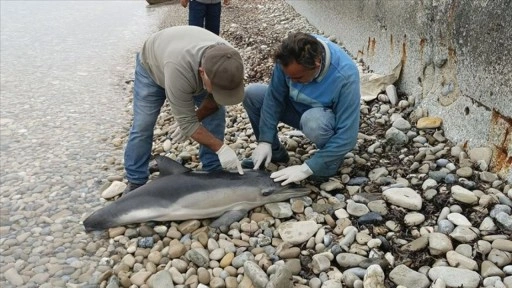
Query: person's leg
x=318, y=125
x=215, y=124
x=148, y=98
x=212, y=18
x=196, y=13
x=253, y=101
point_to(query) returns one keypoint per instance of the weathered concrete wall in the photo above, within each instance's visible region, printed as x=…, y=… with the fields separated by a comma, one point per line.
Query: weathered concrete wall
x=457, y=57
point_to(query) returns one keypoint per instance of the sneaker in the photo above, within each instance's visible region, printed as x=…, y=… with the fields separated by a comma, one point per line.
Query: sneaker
x=130, y=187
x=279, y=156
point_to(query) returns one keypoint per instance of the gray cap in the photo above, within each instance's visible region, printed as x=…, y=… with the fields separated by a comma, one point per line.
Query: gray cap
x=224, y=67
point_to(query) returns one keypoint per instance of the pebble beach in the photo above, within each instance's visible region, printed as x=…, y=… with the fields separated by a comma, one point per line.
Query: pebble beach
x=407, y=208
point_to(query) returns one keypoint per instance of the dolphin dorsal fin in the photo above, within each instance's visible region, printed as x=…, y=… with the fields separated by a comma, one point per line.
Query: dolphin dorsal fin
x=167, y=166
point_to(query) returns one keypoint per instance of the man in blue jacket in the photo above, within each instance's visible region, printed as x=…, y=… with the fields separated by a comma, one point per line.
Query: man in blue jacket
x=314, y=88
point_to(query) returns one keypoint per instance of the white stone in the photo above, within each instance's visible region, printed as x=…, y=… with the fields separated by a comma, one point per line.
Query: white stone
x=458, y=260
x=438, y=283
x=463, y=195
x=391, y=93
x=297, y=232
x=347, y=260
x=459, y=219
x=356, y=209
x=414, y=218
x=167, y=145
x=374, y=277
x=320, y=263
x=341, y=213
x=377, y=173
x=13, y=277
x=403, y=197
x=403, y=275
x=499, y=257
x=465, y=234
x=439, y=243
x=455, y=277
x=487, y=225
x=429, y=183
x=502, y=244
x=116, y=188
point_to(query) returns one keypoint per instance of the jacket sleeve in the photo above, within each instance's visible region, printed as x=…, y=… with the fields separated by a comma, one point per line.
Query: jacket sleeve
x=327, y=160
x=273, y=105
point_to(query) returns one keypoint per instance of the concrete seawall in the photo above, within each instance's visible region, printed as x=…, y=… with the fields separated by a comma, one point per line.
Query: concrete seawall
x=456, y=58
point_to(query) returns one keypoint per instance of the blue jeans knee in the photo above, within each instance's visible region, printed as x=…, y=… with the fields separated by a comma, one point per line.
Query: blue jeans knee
x=318, y=125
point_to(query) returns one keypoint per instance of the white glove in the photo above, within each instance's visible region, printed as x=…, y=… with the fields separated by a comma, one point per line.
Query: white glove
x=293, y=173
x=177, y=135
x=261, y=154
x=229, y=160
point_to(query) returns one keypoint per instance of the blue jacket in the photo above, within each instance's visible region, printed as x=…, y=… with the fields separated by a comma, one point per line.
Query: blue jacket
x=336, y=88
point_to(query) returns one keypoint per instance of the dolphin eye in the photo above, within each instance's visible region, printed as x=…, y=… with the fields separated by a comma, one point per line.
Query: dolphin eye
x=267, y=191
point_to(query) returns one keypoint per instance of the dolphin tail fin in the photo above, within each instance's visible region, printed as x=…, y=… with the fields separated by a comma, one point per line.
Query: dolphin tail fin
x=167, y=166
x=228, y=218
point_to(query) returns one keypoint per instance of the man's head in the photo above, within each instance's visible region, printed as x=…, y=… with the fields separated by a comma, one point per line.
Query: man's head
x=300, y=55
x=222, y=72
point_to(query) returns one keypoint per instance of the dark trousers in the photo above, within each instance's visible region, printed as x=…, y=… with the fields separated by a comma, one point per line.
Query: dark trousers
x=205, y=15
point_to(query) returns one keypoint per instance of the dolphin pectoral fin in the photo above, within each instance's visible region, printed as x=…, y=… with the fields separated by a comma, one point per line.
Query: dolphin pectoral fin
x=167, y=166
x=228, y=218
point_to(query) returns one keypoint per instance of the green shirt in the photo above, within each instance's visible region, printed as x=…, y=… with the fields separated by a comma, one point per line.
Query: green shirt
x=172, y=57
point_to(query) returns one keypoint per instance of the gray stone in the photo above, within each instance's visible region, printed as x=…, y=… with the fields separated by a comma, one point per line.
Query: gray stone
x=489, y=269
x=281, y=278
x=258, y=277
x=199, y=256
x=403, y=275
x=396, y=137
x=455, y=277
x=161, y=279
x=279, y=210
x=505, y=220
x=445, y=226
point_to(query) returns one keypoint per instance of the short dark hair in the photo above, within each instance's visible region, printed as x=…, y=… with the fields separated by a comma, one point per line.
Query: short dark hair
x=299, y=47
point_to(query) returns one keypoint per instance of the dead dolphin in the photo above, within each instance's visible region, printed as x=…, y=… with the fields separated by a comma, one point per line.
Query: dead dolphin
x=181, y=194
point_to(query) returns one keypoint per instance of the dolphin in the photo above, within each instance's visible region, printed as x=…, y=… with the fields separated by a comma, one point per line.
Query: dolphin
x=181, y=194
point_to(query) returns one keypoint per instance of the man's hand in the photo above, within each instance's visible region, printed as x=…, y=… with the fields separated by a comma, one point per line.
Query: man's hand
x=262, y=154
x=229, y=160
x=184, y=3
x=177, y=135
x=293, y=173
x=226, y=2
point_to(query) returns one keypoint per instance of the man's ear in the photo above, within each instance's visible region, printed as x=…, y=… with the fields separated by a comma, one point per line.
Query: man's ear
x=318, y=62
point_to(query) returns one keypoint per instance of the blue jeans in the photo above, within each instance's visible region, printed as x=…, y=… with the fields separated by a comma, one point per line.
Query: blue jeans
x=316, y=123
x=148, y=98
x=204, y=15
